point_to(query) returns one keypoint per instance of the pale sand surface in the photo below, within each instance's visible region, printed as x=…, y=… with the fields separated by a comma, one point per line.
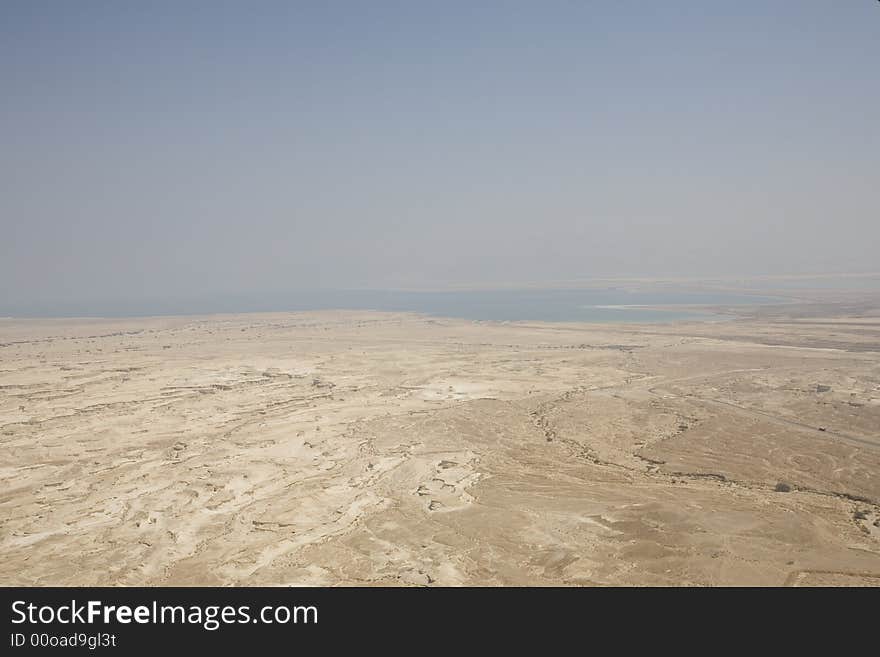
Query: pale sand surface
x=374, y=448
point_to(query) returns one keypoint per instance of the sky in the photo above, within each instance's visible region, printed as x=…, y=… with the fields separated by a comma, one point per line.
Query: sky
x=184, y=150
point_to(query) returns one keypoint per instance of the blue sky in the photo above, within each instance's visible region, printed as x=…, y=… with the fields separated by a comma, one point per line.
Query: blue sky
x=195, y=148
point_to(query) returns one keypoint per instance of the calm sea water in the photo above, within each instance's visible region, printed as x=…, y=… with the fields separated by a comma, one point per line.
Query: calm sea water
x=590, y=305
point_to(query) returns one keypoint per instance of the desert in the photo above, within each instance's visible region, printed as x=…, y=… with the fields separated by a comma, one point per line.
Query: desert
x=378, y=448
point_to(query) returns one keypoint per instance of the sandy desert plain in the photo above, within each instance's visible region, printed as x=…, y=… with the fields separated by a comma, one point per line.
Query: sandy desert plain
x=366, y=448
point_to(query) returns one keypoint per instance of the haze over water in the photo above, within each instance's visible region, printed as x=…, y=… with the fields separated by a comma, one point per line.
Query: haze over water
x=582, y=305
x=159, y=154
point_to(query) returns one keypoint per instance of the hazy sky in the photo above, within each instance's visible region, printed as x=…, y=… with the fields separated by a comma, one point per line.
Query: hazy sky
x=184, y=149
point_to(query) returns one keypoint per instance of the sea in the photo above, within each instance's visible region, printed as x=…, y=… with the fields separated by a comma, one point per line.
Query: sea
x=610, y=304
